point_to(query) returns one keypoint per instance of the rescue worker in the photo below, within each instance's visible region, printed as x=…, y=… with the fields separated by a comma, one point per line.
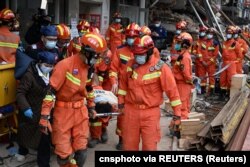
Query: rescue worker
x=244, y=49
x=181, y=26
x=210, y=58
x=69, y=82
x=63, y=36
x=31, y=90
x=159, y=34
x=114, y=34
x=140, y=94
x=119, y=62
x=75, y=44
x=47, y=43
x=231, y=51
x=200, y=50
x=8, y=41
x=246, y=33
x=182, y=71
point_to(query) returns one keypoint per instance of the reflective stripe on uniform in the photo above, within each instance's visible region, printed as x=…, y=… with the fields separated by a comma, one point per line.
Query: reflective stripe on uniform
x=203, y=46
x=96, y=124
x=100, y=78
x=199, y=55
x=124, y=57
x=122, y=92
x=77, y=46
x=91, y=95
x=9, y=45
x=113, y=74
x=223, y=88
x=211, y=86
x=152, y=75
x=231, y=48
x=88, y=81
x=175, y=103
x=134, y=75
x=112, y=29
x=129, y=69
x=48, y=98
x=211, y=48
x=212, y=60
x=73, y=79
x=121, y=30
x=118, y=131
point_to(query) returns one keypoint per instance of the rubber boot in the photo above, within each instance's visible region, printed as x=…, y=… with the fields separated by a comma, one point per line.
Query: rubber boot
x=203, y=90
x=80, y=157
x=104, y=137
x=67, y=162
x=92, y=143
x=119, y=146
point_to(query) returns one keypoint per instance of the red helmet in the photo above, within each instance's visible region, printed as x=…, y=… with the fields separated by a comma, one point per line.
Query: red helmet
x=203, y=28
x=95, y=41
x=185, y=38
x=181, y=25
x=117, y=15
x=132, y=30
x=63, y=31
x=83, y=25
x=142, y=45
x=145, y=30
x=93, y=29
x=230, y=29
x=7, y=15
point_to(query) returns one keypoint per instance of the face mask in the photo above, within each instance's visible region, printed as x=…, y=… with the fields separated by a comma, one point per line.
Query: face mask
x=209, y=36
x=236, y=35
x=117, y=20
x=202, y=34
x=140, y=59
x=229, y=36
x=15, y=32
x=130, y=41
x=45, y=69
x=50, y=44
x=177, y=46
x=178, y=32
x=157, y=25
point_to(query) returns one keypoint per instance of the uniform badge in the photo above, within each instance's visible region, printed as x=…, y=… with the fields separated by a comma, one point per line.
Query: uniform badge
x=151, y=69
x=75, y=71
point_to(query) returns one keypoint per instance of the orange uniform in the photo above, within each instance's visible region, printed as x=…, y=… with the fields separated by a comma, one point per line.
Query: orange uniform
x=102, y=70
x=244, y=49
x=210, y=58
x=200, y=50
x=118, y=66
x=230, y=53
x=115, y=36
x=70, y=118
x=182, y=71
x=74, y=46
x=141, y=90
x=8, y=45
x=174, y=53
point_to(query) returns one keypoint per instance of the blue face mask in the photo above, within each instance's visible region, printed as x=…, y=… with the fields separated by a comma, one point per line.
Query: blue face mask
x=229, y=36
x=130, y=41
x=236, y=35
x=140, y=59
x=202, y=34
x=45, y=69
x=177, y=46
x=117, y=20
x=178, y=32
x=50, y=44
x=210, y=36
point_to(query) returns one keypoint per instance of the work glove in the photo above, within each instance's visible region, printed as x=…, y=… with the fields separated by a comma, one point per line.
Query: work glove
x=114, y=89
x=180, y=57
x=174, y=126
x=121, y=108
x=45, y=125
x=92, y=112
x=28, y=113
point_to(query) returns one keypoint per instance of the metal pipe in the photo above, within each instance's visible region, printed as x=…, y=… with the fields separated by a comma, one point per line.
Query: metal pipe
x=196, y=13
x=209, y=7
x=153, y=4
x=108, y=114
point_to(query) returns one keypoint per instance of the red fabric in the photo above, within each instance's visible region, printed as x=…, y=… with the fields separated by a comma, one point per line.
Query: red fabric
x=226, y=76
x=8, y=54
x=244, y=49
x=96, y=131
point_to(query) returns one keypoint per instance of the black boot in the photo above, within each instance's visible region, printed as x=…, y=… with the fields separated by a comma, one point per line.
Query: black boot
x=222, y=95
x=80, y=157
x=104, y=137
x=119, y=146
x=203, y=90
x=92, y=143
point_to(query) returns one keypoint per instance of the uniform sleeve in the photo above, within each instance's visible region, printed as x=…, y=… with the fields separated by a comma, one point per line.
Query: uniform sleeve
x=198, y=53
x=58, y=76
x=187, y=69
x=114, y=68
x=107, y=36
x=123, y=87
x=22, y=90
x=169, y=87
x=214, y=55
x=245, y=47
x=238, y=51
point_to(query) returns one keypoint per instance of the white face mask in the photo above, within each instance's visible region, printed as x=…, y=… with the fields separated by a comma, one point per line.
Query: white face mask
x=130, y=41
x=50, y=44
x=157, y=25
x=229, y=36
x=202, y=34
x=236, y=35
x=140, y=59
x=210, y=36
x=178, y=32
x=117, y=20
x=45, y=70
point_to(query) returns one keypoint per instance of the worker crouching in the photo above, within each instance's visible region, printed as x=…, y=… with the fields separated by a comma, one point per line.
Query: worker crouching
x=141, y=93
x=69, y=83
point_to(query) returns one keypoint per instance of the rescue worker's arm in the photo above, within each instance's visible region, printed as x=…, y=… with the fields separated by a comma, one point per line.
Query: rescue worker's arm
x=214, y=55
x=238, y=51
x=114, y=68
x=186, y=69
x=123, y=87
x=168, y=85
x=98, y=71
x=107, y=36
x=23, y=88
x=245, y=47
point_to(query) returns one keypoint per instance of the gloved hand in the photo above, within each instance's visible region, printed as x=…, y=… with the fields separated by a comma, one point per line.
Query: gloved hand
x=174, y=126
x=45, y=124
x=114, y=88
x=121, y=108
x=28, y=113
x=92, y=113
x=204, y=64
x=180, y=57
